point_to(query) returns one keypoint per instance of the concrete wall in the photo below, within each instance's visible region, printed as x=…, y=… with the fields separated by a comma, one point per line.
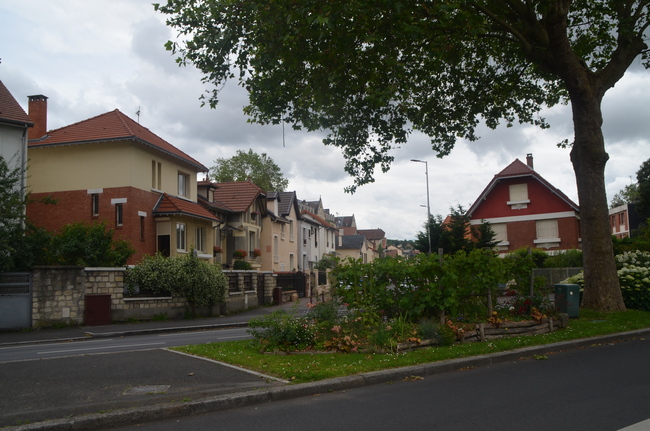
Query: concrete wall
x=59, y=295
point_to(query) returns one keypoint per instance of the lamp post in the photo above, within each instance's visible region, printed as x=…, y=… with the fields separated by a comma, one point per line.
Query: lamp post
x=426, y=172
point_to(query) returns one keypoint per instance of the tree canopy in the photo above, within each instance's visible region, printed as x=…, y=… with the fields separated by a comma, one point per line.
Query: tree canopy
x=369, y=73
x=244, y=166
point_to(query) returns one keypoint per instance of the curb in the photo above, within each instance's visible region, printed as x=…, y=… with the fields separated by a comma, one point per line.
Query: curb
x=159, y=412
x=90, y=334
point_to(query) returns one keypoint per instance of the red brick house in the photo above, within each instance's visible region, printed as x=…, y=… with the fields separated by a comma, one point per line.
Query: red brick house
x=525, y=210
x=110, y=168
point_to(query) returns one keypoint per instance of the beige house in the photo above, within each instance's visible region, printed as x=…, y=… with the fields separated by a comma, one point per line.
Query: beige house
x=110, y=168
x=279, y=237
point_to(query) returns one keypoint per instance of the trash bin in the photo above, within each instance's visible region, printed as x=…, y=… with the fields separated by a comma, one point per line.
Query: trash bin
x=567, y=299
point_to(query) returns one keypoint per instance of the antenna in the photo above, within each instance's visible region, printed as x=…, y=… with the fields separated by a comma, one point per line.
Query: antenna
x=138, y=114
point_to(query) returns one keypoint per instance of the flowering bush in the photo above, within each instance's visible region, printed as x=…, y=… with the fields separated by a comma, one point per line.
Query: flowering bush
x=240, y=254
x=634, y=277
x=257, y=252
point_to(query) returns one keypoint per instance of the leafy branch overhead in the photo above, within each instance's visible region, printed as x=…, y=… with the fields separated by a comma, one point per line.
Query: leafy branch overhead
x=370, y=73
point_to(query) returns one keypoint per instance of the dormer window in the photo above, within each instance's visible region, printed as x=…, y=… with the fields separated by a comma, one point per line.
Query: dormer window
x=518, y=196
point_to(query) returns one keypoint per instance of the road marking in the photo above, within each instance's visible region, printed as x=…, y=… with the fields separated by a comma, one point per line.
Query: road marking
x=641, y=426
x=41, y=345
x=99, y=348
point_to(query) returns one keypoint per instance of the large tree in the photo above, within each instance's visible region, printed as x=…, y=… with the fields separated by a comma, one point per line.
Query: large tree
x=370, y=72
x=244, y=166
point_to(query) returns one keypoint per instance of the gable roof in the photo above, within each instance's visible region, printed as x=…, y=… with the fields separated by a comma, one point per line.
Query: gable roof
x=345, y=221
x=170, y=205
x=519, y=169
x=287, y=200
x=10, y=110
x=237, y=196
x=316, y=218
x=112, y=126
x=372, y=234
x=351, y=242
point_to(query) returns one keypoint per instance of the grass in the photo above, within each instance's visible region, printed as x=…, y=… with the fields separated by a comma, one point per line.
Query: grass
x=301, y=368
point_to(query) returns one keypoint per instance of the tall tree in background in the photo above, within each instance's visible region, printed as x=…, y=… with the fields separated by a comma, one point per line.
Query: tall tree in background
x=643, y=186
x=370, y=72
x=259, y=168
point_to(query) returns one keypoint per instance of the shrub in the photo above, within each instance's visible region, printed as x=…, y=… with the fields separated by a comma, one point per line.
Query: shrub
x=282, y=331
x=634, y=277
x=565, y=259
x=242, y=265
x=88, y=244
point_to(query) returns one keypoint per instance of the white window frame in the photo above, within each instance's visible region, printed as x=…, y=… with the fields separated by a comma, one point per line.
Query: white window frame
x=199, y=239
x=181, y=237
x=518, y=196
x=183, y=185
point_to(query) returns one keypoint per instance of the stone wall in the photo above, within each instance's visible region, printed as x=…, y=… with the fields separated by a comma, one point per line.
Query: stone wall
x=59, y=296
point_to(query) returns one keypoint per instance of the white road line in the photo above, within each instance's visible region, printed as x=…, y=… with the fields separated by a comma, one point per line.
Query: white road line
x=41, y=345
x=99, y=348
x=641, y=426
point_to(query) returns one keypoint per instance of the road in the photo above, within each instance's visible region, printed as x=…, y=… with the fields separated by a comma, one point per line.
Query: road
x=91, y=346
x=604, y=387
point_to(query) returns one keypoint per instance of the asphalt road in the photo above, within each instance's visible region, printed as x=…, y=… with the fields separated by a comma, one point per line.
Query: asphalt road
x=599, y=388
x=22, y=352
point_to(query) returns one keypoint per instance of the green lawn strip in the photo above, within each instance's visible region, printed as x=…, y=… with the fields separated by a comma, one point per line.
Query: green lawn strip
x=301, y=368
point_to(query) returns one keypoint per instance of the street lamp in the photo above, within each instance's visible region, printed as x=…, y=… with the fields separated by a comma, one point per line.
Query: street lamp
x=426, y=172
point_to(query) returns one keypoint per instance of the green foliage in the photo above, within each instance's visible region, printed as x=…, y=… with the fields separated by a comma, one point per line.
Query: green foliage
x=242, y=265
x=201, y=283
x=282, y=331
x=245, y=166
x=328, y=261
x=420, y=287
x=629, y=194
x=634, y=275
x=565, y=259
x=88, y=244
x=643, y=197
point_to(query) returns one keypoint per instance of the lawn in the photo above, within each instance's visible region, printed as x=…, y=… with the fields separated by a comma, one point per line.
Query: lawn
x=301, y=368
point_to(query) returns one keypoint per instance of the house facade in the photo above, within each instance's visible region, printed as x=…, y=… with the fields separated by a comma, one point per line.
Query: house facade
x=623, y=219
x=525, y=210
x=280, y=232
x=111, y=169
x=14, y=127
x=242, y=207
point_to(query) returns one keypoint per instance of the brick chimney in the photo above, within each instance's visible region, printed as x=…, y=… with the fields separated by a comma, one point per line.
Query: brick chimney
x=38, y=113
x=529, y=160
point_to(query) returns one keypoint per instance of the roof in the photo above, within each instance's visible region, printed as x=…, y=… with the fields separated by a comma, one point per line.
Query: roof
x=518, y=169
x=112, y=126
x=237, y=196
x=170, y=205
x=351, y=242
x=372, y=234
x=345, y=221
x=316, y=218
x=10, y=109
x=287, y=200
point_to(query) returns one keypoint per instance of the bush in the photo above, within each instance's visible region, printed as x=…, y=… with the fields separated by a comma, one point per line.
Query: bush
x=282, y=331
x=634, y=277
x=199, y=282
x=242, y=265
x=88, y=244
x=565, y=259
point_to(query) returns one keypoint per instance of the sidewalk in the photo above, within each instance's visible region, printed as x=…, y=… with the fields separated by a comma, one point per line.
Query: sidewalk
x=136, y=328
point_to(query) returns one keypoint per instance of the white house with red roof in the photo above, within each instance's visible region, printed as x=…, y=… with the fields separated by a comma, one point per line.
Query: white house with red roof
x=525, y=210
x=110, y=168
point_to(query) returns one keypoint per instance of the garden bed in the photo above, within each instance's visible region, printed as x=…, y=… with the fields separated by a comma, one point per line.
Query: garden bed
x=489, y=331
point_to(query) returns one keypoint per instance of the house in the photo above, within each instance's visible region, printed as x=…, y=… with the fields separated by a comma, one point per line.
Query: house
x=317, y=239
x=525, y=210
x=242, y=206
x=376, y=237
x=110, y=168
x=280, y=232
x=14, y=125
x=355, y=247
x=623, y=219
x=347, y=225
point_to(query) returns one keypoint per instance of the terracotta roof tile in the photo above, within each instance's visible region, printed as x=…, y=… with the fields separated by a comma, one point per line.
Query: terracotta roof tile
x=372, y=234
x=170, y=205
x=10, y=109
x=236, y=196
x=112, y=126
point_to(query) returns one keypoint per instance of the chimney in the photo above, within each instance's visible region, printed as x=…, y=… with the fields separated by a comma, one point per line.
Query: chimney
x=529, y=160
x=38, y=113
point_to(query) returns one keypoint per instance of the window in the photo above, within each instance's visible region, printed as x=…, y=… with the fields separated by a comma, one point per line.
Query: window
x=141, y=228
x=518, y=196
x=94, y=204
x=276, y=255
x=500, y=233
x=183, y=185
x=282, y=234
x=180, y=236
x=291, y=235
x=119, y=214
x=547, y=233
x=200, y=239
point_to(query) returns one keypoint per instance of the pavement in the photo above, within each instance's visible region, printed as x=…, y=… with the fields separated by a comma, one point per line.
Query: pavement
x=99, y=392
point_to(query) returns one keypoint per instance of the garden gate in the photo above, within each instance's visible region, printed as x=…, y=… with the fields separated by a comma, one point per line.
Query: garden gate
x=15, y=300
x=292, y=281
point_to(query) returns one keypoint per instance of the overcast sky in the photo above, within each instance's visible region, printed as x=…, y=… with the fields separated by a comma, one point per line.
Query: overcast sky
x=91, y=57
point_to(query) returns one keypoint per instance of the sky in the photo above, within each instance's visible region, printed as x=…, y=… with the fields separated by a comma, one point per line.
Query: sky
x=90, y=57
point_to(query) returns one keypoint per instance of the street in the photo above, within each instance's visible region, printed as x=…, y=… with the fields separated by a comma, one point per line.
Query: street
x=117, y=344
x=604, y=387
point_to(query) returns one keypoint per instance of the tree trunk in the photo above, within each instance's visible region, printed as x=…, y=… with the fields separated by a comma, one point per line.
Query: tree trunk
x=602, y=289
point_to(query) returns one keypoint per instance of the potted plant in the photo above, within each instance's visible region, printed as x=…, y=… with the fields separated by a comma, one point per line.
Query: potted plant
x=240, y=254
x=257, y=252
x=217, y=249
